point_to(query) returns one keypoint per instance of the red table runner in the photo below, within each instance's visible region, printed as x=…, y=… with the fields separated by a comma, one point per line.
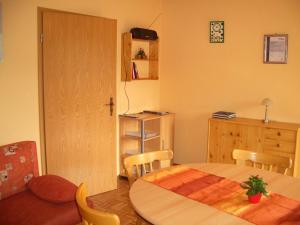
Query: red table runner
x=227, y=195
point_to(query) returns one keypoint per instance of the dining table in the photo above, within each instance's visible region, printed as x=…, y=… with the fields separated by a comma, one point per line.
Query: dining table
x=161, y=206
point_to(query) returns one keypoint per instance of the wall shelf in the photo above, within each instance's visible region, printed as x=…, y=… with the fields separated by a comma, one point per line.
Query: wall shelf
x=139, y=138
x=147, y=68
x=140, y=59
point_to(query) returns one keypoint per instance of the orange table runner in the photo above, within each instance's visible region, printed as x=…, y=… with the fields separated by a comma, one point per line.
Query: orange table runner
x=227, y=195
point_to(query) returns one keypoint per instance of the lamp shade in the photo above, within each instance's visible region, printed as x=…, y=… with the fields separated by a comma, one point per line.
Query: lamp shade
x=266, y=102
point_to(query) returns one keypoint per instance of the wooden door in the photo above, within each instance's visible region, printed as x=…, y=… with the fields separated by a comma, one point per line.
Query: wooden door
x=79, y=68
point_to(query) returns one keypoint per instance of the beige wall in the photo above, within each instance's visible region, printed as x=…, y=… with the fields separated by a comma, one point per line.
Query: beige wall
x=196, y=77
x=18, y=72
x=200, y=78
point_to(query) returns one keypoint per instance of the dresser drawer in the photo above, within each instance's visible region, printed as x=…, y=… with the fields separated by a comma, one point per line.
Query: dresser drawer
x=280, y=146
x=278, y=134
x=282, y=154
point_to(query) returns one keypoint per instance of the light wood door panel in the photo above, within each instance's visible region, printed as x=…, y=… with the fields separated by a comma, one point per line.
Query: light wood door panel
x=79, y=58
x=229, y=141
x=214, y=142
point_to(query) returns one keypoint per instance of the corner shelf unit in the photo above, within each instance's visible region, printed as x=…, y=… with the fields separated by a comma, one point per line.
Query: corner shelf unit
x=148, y=68
x=145, y=133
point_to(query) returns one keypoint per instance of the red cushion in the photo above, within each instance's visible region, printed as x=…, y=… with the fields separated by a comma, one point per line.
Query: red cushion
x=27, y=209
x=53, y=188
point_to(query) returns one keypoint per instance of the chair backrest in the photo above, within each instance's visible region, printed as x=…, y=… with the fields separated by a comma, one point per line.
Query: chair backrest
x=92, y=216
x=18, y=164
x=261, y=160
x=140, y=164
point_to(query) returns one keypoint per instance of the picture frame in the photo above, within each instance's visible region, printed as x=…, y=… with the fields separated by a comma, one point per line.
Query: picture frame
x=216, y=32
x=275, y=48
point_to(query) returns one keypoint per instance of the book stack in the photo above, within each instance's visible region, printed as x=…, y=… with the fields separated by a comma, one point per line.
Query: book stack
x=224, y=115
x=135, y=73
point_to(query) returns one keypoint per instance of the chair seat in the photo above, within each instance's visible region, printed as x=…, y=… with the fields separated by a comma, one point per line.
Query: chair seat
x=25, y=208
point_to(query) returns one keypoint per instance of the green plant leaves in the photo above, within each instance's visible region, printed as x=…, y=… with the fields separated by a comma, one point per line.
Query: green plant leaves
x=255, y=185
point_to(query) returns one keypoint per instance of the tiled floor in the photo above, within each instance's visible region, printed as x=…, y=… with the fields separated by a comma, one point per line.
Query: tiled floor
x=117, y=201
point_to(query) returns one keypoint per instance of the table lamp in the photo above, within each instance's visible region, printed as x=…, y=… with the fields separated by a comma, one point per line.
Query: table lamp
x=266, y=102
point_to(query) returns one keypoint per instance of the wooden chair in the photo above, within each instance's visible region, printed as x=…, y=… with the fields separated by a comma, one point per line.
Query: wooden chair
x=140, y=164
x=136, y=166
x=261, y=160
x=91, y=216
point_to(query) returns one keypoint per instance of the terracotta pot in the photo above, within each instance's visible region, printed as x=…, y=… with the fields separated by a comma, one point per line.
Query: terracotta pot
x=254, y=198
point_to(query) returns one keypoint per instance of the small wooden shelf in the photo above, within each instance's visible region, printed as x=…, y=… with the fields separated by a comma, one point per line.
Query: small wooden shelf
x=145, y=78
x=162, y=126
x=140, y=60
x=139, y=138
x=147, y=67
x=141, y=40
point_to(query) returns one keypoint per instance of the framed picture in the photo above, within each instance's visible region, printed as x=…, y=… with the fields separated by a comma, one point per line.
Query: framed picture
x=276, y=48
x=216, y=34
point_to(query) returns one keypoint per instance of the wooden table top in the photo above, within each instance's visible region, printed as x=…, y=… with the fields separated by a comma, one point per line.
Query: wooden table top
x=162, y=207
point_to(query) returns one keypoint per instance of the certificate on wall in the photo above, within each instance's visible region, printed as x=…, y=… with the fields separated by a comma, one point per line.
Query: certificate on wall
x=275, y=48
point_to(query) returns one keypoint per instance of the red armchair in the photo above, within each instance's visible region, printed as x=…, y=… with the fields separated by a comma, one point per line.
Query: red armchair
x=26, y=198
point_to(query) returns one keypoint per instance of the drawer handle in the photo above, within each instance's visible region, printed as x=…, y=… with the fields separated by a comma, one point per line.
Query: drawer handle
x=238, y=135
x=278, y=145
x=279, y=134
x=231, y=133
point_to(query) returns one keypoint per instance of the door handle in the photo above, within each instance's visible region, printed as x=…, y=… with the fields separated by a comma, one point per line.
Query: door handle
x=111, y=105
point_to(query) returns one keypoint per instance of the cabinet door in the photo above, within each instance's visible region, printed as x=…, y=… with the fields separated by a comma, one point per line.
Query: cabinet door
x=214, y=141
x=223, y=138
x=249, y=138
x=230, y=137
x=167, y=132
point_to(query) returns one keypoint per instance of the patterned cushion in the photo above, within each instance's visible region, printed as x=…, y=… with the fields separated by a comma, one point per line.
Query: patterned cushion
x=18, y=164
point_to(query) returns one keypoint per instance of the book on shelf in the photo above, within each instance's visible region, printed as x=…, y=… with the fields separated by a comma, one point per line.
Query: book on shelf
x=224, y=115
x=147, y=134
x=135, y=73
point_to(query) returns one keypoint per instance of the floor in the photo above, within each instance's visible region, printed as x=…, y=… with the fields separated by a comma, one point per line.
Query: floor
x=117, y=201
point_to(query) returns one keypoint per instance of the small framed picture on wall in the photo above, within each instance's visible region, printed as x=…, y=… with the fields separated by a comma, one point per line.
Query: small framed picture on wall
x=216, y=33
x=276, y=48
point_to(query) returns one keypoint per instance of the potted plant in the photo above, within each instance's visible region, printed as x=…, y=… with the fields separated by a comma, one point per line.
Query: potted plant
x=256, y=187
x=141, y=54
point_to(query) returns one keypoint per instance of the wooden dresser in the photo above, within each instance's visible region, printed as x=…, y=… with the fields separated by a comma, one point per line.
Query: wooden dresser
x=275, y=138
